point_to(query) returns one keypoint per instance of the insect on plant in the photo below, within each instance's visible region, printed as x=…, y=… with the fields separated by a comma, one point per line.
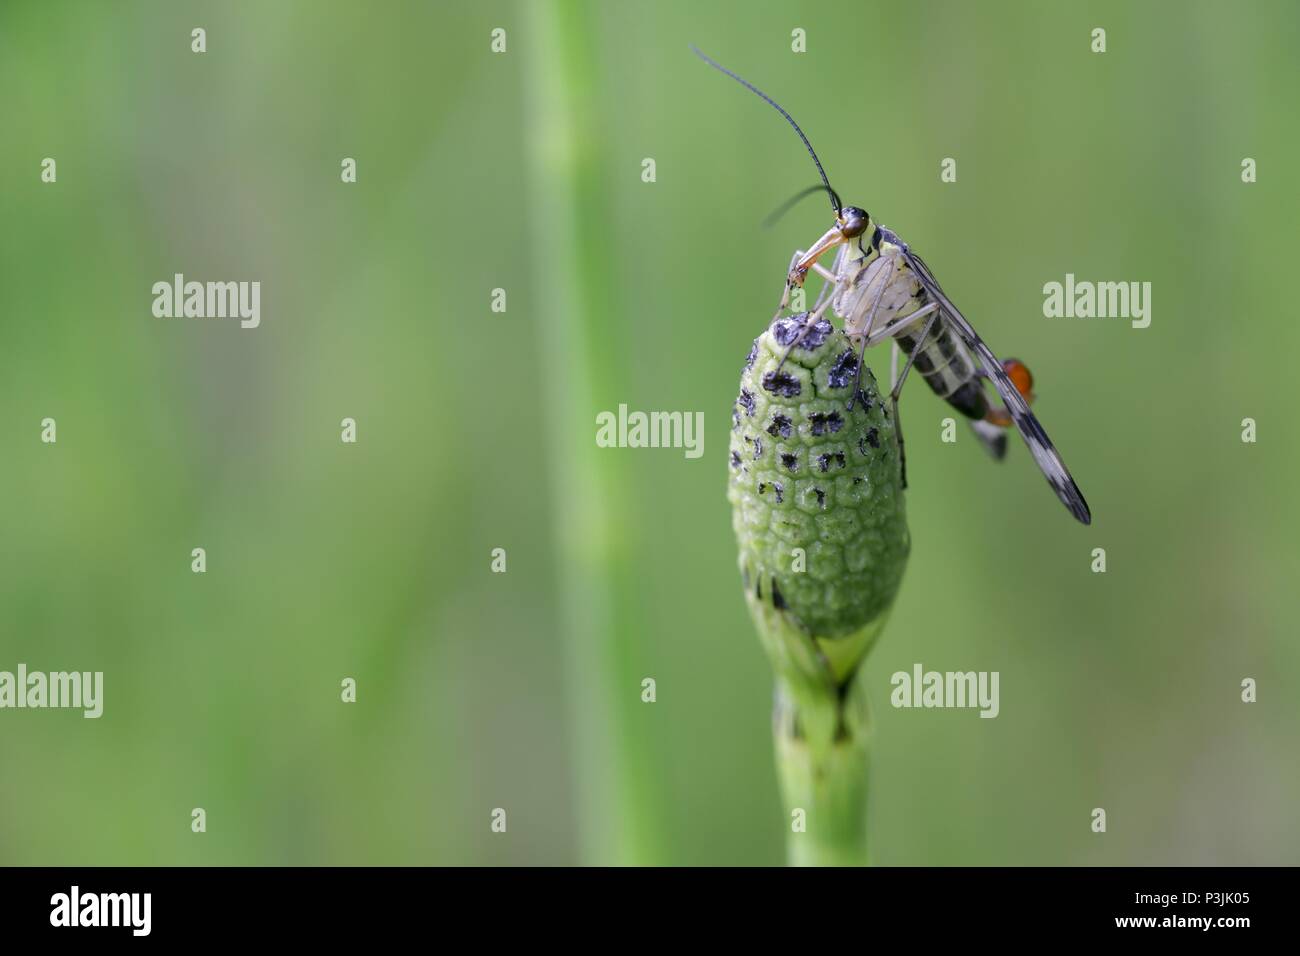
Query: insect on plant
x=882, y=290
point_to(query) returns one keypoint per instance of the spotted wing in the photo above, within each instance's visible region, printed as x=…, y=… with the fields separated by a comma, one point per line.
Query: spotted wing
x=1040, y=446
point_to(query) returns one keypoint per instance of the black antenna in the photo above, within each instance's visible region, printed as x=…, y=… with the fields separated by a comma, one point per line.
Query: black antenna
x=835, y=197
x=790, y=203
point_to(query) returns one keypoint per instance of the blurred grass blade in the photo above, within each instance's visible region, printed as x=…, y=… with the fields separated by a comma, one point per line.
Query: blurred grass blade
x=575, y=310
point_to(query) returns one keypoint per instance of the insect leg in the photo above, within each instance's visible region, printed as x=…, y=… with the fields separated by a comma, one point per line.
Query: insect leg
x=871, y=337
x=896, y=387
x=817, y=267
x=894, y=326
x=821, y=296
x=898, y=422
x=825, y=273
x=810, y=320
x=838, y=268
x=866, y=339
x=823, y=302
x=785, y=288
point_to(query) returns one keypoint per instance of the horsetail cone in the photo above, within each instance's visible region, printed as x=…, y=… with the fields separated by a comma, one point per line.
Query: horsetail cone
x=817, y=506
x=816, y=494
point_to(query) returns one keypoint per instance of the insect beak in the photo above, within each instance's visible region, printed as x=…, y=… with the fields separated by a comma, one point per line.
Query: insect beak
x=833, y=237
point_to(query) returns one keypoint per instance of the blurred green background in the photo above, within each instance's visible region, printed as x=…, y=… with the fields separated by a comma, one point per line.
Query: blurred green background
x=522, y=171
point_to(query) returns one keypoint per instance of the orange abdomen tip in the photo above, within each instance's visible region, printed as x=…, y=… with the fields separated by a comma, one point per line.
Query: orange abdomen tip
x=1019, y=374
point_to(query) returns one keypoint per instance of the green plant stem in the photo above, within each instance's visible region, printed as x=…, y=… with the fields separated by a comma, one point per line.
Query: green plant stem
x=614, y=781
x=821, y=730
x=828, y=782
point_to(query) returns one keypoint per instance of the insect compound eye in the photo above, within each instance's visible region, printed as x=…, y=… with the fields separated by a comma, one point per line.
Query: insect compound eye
x=855, y=222
x=1020, y=376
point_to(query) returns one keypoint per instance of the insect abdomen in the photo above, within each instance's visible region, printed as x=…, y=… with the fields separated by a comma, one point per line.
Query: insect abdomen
x=946, y=366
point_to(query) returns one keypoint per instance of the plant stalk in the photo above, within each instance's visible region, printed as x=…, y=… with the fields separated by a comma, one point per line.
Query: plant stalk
x=614, y=781
x=827, y=783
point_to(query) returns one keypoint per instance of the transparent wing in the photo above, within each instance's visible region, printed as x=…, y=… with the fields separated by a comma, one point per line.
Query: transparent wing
x=1040, y=446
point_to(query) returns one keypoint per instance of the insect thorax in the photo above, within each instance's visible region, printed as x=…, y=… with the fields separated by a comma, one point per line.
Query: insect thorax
x=878, y=291
x=874, y=291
